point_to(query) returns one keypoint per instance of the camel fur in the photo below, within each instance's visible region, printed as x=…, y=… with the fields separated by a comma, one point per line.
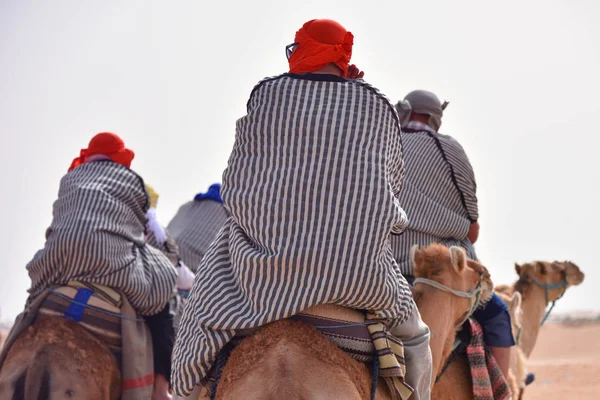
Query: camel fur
x=57, y=358
x=442, y=311
x=534, y=303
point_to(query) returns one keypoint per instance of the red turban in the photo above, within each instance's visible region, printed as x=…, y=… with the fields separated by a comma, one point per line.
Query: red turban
x=106, y=144
x=321, y=42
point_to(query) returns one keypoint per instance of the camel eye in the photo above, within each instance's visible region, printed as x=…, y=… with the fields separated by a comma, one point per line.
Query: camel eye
x=70, y=393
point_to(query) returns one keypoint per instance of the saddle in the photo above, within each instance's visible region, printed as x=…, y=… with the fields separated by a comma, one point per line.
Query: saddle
x=365, y=341
x=107, y=314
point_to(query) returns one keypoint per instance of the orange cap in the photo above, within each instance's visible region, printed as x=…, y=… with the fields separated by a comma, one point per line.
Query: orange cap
x=109, y=145
x=321, y=42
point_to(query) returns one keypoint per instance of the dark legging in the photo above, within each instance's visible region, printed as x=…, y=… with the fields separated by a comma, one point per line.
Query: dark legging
x=163, y=338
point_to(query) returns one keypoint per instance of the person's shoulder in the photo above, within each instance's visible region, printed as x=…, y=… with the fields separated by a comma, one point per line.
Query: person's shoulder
x=450, y=140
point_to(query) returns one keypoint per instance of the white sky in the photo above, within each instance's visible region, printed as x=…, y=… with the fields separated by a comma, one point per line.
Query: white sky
x=171, y=78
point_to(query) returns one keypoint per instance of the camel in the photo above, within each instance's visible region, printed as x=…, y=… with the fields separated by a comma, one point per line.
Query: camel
x=518, y=362
x=448, y=288
x=57, y=358
x=289, y=359
x=539, y=284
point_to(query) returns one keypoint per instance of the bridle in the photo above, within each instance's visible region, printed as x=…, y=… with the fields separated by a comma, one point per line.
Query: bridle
x=548, y=287
x=474, y=295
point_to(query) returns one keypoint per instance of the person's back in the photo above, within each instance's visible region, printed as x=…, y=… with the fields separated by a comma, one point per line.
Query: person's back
x=196, y=225
x=438, y=193
x=439, y=196
x=97, y=237
x=311, y=187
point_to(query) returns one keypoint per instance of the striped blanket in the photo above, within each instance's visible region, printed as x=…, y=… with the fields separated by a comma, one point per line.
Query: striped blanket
x=97, y=236
x=488, y=381
x=311, y=186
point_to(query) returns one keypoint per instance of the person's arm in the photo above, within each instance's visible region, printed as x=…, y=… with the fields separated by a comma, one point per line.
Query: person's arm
x=473, y=234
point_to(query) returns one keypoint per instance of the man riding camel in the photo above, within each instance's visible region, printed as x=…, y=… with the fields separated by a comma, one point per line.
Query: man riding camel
x=312, y=187
x=97, y=240
x=439, y=196
x=161, y=238
x=197, y=223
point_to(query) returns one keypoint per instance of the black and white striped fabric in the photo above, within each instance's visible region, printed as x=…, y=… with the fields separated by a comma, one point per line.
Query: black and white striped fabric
x=438, y=195
x=97, y=236
x=169, y=248
x=194, y=228
x=311, y=186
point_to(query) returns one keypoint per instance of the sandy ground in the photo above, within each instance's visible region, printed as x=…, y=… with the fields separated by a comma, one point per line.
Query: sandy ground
x=566, y=362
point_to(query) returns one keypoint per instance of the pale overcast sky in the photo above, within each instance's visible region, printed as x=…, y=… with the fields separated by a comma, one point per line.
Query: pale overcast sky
x=172, y=77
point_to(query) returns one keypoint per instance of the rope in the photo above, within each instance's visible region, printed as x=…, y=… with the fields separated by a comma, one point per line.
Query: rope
x=474, y=295
x=375, y=376
x=220, y=363
x=94, y=308
x=366, y=323
x=559, y=285
x=455, y=350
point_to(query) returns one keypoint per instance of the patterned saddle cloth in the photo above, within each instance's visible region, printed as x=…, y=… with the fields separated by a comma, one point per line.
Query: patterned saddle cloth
x=488, y=381
x=95, y=307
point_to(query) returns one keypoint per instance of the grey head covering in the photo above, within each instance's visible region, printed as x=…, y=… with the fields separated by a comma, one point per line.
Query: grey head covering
x=421, y=102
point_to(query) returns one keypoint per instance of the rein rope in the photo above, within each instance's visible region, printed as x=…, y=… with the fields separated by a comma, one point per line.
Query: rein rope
x=474, y=297
x=548, y=287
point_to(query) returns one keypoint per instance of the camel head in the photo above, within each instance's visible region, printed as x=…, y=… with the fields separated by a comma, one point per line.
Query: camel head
x=437, y=269
x=550, y=275
x=450, y=268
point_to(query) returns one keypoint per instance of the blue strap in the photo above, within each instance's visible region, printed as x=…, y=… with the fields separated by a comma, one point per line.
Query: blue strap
x=75, y=310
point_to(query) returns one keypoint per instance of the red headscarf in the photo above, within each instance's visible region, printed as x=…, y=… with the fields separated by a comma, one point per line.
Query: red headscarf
x=106, y=144
x=321, y=42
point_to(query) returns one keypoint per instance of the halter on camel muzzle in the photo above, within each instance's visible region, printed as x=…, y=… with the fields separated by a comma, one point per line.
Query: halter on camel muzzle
x=474, y=295
x=548, y=287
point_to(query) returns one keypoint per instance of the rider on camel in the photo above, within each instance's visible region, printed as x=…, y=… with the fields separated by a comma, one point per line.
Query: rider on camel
x=439, y=196
x=311, y=185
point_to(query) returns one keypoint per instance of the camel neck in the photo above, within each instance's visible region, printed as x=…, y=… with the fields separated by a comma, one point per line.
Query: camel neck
x=441, y=342
x=534, y=307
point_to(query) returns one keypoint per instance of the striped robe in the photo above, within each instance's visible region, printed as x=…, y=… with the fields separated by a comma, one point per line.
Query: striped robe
x=194, y=227
x=438, y=194
x=169, y=248
x=311, y=186
x=97, y=236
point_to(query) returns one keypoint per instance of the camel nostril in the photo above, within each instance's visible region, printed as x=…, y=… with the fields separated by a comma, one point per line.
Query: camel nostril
x=70, y=393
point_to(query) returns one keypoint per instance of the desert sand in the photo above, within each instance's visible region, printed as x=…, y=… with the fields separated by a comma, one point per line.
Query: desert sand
x=566, y=362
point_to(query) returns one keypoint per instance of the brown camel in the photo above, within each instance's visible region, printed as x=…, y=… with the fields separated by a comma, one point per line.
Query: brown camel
x=57, y=358
x=518, y=362
x=444, y=311
x=292, y=360
x=539, y=284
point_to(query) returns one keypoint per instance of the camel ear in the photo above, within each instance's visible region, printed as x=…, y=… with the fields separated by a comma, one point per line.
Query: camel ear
x=515, y=301
x=458, y=258
x=541, y=268
x=518, y=268
x=415, y=255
